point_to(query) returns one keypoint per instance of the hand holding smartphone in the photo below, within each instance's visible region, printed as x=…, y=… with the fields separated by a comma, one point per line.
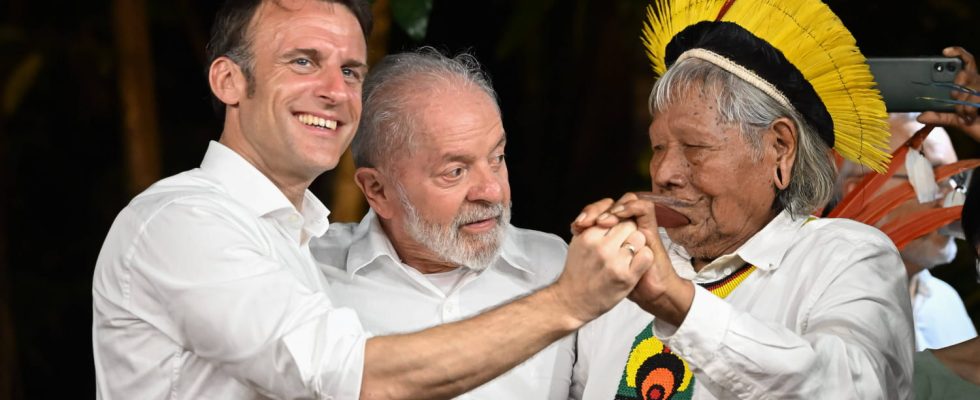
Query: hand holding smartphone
x=910, y=84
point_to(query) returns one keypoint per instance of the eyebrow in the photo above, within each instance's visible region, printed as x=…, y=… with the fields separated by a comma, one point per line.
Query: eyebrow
x=311, y=53
x=315, y=55
x=356, y=64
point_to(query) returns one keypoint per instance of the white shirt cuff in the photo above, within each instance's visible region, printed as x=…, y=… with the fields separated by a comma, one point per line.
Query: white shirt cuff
x=329, y=353
x=699, y=338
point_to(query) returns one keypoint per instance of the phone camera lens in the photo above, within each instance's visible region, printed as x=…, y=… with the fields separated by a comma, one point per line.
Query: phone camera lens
x=938, y=67
x=951, y=67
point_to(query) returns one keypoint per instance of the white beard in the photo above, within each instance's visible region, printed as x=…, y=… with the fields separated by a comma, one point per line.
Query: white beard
x=921, y=252
x=476, y=252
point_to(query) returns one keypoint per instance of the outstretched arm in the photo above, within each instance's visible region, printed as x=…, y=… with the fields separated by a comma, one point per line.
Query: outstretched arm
x=445, y=361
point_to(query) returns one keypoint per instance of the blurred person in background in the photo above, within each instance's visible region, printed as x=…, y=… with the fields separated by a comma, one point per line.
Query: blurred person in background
x=953, y=372
x=939, y=314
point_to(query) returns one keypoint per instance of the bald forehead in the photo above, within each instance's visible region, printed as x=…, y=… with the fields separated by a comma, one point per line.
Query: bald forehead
x=424, y=91
x=421, y=86
x=455, y=96
x=937, y=147
x=435, y=107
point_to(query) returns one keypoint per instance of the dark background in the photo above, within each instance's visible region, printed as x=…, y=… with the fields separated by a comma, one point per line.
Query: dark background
x=571, y=77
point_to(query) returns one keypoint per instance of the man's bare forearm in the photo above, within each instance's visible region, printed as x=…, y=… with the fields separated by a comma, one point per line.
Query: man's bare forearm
x=445, y=361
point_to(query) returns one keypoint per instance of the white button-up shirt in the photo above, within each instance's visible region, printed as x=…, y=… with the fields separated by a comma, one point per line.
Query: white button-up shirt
x=826, y=315
x=940, y=317
x=205, y=288
x=391, y=297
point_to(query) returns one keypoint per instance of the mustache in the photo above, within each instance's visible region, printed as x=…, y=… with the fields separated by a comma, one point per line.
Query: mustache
x=471, y=213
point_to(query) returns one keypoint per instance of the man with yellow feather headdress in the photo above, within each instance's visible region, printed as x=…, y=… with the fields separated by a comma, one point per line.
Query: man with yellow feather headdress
x=750, y=296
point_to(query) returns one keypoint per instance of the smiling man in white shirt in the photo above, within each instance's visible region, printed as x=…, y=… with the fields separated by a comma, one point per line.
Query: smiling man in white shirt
x=205, y=287
x=437, y=245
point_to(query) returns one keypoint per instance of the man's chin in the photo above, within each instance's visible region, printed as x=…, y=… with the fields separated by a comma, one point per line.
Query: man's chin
x=682, y=235
x=479, y=260
x=929, y=255
x=482, y=250
x=694, y=245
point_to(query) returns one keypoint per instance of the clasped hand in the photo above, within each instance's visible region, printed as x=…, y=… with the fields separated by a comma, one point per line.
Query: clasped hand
x=660, y=291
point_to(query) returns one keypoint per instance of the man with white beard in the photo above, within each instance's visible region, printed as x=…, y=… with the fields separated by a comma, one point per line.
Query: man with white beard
x=938, y=313
x=437, y=245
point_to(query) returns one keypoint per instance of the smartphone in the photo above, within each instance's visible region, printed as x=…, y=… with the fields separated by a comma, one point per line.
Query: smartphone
x=905, y=82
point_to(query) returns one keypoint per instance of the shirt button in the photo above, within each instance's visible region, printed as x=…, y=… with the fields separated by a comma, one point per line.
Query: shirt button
x=294, y=221
x=449, y=312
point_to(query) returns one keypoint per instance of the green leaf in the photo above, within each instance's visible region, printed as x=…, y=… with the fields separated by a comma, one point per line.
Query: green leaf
x=412, y=16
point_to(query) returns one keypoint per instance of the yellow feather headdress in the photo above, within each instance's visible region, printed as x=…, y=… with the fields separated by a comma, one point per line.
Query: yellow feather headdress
x=840, y=98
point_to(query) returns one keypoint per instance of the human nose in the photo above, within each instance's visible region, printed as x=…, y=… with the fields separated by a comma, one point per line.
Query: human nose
x=332, y=86
x=488, y=186
x=668, y=168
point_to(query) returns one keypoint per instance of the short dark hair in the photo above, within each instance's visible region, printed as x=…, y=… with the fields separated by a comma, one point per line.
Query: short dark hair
x=230, y=36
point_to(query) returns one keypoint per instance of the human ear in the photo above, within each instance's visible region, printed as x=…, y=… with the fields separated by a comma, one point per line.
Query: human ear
x=379, y=195
x=784, y=145
x=227, y=81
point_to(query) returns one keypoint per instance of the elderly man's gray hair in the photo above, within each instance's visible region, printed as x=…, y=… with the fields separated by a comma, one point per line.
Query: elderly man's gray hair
x=739, y=103
x=389, y=121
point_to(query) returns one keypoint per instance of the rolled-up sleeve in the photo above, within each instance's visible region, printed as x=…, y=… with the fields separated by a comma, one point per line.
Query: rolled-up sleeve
x=856, y=339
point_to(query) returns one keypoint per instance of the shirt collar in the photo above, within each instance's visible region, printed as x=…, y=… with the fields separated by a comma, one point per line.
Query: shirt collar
x=513, y=254
x=250, y=187
x=370, y=243
x=764, y=250
x=315, y=215
x=922, y=287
